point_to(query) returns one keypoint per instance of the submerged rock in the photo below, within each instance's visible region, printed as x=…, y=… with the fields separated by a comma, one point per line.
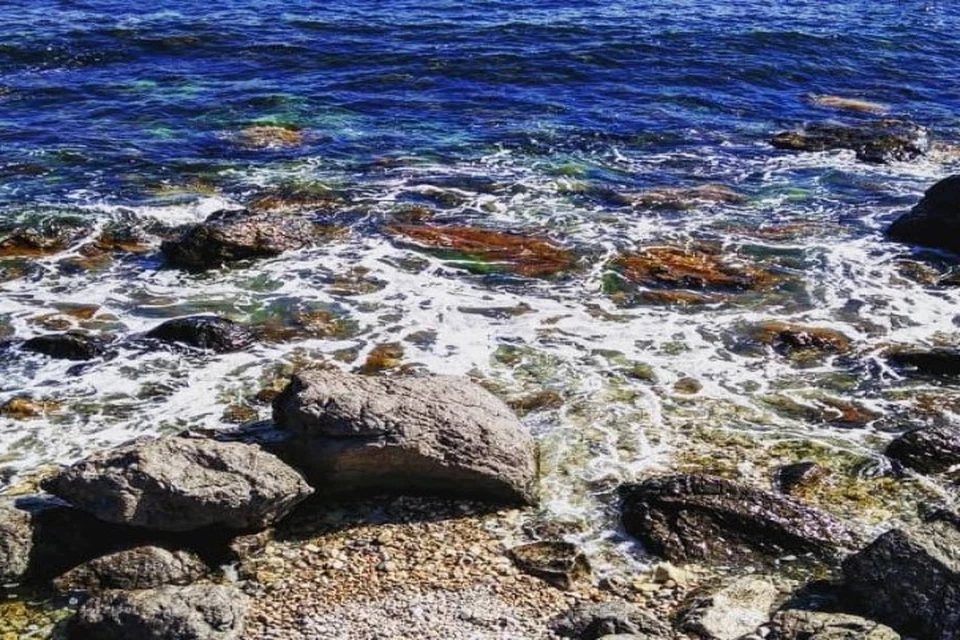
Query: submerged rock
x=684, y=198
x=204, y=332
x=560, y=563
x=797, y=624
x=230, y=236
x=201, y=612
x=484, y=250
x=39, y=242
x=910, y=580
x=932, y=362
x=697, y=517
x=927, y=449
x=143, y=567
x=72, y=345
x=794, y=340
x=269, y=137
x=849, y=104
x=182, y=484
x=733, y=611
x=791, y=478
x=596, y=620
x=437, y=435
x=879, y=142
x=935, y=220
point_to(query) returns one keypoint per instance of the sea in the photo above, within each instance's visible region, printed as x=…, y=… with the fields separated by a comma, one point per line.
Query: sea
x=605, y=129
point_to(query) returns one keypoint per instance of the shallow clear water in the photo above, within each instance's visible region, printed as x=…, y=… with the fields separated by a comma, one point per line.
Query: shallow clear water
x=519, y=116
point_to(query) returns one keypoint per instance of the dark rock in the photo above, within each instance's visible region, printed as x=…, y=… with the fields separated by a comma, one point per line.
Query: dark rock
x=883, y=141
x=183, y=484
x=595, y=620
x=733, y=611
x=910, y=580
x=698, y=517
x=46, y=240
x=792, y=477
x=204, y=332
x=927, y=449
x=72, y=345
x=932, y=362
x=200, y=612
x=935, y=220
x=560, y=563
x=436, y=435
x=796, y=624
x=227, y=237
x=143, y=567
x=42, y=537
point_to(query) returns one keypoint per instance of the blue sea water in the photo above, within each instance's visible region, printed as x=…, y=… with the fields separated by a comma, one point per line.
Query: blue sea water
x=526, y=116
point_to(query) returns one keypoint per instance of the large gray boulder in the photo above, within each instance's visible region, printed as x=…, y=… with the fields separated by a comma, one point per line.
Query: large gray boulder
x=142, y=567
x=695, y=517
x=935, y=220
x=733, y=611
x=41, y=537
x=236, y=235
x=798, y=624
x=200, y=612
x=591, y=621
x=182, y=484
x=436, y=435
x=910, y=580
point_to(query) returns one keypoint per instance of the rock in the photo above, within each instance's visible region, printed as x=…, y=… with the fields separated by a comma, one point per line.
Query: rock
x=927, y=449
x=684, y=198
x=230, y=236
x=690, y=269
x=40, y=537
x=932, y=362
x=796, y=624
x=735, y=610
x=485, y=250
x=182, y=484
x=438, y=435
x=849, y=104
x=879, y=142
x=596, y=620
x=204, y=332
x=791, y=478
x=143, y=567
x=910, y=580
x=50, y=239
x=792, y=339
x=664, y=572
x=200, y=612
x=72, y=345
x=698, y=517
x=559, y=563
x=934, y=221
x=269, y=137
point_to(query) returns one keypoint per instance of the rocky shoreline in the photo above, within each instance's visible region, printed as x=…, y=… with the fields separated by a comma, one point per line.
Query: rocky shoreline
x=380, y=506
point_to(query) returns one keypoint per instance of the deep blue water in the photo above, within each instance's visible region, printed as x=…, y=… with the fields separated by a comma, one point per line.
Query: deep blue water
x=106, y=96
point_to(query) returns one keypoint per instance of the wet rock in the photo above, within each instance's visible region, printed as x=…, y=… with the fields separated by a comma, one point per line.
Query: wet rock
x=41, y=537
x=72, y=345
x=849, y=104
x=792, y=478
x=935, y=220
x=933, y=362
x=23, y=407
x=143, y=567
x=269, y=137
x=796, y=624
x=927, y=449
x=204, y=332
x=685, y=198
x=596, y=620
x=734, y=611
x=700, y=517
x=879, y=142
x=560, y=563
x=231, y=236
x=910, y=580
x=485, y=250
x=793, y=340
x=182, y=484
x=38, y=242
x=200, y=612
x=437, y=435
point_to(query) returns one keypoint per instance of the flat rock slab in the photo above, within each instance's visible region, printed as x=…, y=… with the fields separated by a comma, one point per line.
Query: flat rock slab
x=597, y=620
x=935, y=220
x=143, y=567
x=182, y=484
x=734, y=611
x=201, y=612
x=436, y=435
x=796, y=624
x=686, y=518
x=910, y=580
x=560, y=563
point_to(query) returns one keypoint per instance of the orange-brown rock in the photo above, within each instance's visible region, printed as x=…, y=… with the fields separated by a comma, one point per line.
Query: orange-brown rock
x=383, y=357
x=37, y=243
x=790, y=339
x=22, y=407
x=495, y=250
x=269, y=136
x=673, y=267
